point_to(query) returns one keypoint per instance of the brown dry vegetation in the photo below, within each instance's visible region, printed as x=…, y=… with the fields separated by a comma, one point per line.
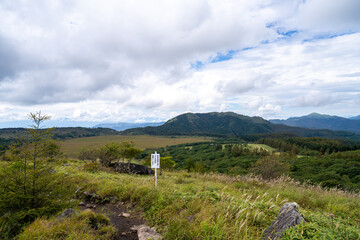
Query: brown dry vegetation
x=72, y=147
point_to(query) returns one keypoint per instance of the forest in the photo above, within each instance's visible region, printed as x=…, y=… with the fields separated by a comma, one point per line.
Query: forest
x=329, y=162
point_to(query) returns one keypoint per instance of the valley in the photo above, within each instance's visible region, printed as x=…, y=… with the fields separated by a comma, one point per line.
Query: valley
x=223, y=176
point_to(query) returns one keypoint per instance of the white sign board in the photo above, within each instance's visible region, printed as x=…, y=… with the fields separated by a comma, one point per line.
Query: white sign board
x=155, y=160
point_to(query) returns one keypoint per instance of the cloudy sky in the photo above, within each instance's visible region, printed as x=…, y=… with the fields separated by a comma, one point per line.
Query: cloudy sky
x=149, y=60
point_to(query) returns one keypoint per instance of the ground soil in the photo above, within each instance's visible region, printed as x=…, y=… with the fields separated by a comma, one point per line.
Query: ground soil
x=115, y=212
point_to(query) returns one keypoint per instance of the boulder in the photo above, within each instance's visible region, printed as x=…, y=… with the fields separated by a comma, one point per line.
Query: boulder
x=131, y=168
x=146, y=233
x=287, y=217
x=66, y=214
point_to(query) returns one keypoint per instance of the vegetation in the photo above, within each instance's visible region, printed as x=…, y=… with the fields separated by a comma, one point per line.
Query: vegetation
x=29, y=185
x=85, y=225
x=215, y=206
x=72, y=147
x=111, y=152
x=310, y=146
x=59, y=133
x=338, y=169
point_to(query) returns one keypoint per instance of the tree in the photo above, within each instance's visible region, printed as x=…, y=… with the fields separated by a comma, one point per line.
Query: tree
x=199, y=167
x=51, y=150
x=91, y=154
x=29, y=186
x=108, y=153
x=190, y=164
x=166, y=163
x=270, y=167
x=129, y=151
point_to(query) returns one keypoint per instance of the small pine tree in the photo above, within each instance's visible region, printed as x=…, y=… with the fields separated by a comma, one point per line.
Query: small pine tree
x=29, y=186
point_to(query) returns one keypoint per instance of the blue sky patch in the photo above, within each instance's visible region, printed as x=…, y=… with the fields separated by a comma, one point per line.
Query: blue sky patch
x=326, y=36
x=196, y=65
x=220, y=57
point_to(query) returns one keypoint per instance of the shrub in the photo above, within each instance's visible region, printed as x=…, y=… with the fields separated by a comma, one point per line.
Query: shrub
x=270, y=168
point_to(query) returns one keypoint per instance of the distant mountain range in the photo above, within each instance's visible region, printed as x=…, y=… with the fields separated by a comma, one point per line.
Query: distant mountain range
x=229, y=124
x=218, y=124
x=357, y=117
x=322, y=121
x=120, y=126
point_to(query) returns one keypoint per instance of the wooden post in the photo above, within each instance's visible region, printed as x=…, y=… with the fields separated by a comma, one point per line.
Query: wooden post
x=155, y=178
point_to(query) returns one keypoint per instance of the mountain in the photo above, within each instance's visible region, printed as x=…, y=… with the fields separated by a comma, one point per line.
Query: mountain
x=355, y=118
x=120, y=126
x=322, y=121
x=227, y=124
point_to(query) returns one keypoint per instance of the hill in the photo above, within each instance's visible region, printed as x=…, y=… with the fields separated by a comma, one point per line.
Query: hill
x=228, y=124
x=59, y=133
x=120, y=126
x=322, y=121
x=201, y=206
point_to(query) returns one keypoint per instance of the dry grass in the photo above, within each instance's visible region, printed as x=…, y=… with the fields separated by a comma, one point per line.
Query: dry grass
x=72, y=147
x=260, y=146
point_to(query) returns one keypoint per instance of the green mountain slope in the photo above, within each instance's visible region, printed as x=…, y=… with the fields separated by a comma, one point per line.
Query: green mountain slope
x=228, y=124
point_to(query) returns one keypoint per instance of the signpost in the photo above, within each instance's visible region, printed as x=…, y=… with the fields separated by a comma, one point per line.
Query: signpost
x=155, y=163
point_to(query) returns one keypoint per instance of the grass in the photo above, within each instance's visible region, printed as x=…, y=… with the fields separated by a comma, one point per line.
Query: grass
x=72, y=147
x=216, y=206
x=84, y=225
x=253, y=146
x=260, y=146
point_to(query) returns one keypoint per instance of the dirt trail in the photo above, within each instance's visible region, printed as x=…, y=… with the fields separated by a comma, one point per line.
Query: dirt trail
x=121, y=221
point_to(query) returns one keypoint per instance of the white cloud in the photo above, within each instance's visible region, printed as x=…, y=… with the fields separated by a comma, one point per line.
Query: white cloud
x=314, y=99
x=268, y=110
x=120, y=60
x=323, y=16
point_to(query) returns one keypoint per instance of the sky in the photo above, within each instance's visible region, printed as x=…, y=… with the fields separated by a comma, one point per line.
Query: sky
x=151, y=60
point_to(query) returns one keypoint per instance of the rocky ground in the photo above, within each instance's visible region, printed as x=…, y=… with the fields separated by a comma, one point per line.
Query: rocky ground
x=123, y=216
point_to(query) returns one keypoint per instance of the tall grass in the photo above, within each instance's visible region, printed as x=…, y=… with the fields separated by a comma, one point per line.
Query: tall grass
x=216, y=206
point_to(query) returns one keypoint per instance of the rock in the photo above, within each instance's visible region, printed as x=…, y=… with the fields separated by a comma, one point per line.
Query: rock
x=66, y=214
x=131, y=168
x=145, y=232
x=125, y=215
x=81, y=204
x=87, y=196
x=287, y=217
x=90, y=205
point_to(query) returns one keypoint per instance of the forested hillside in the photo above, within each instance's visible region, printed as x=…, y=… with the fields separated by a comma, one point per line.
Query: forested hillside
x=59, y=133
x=229, y=124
